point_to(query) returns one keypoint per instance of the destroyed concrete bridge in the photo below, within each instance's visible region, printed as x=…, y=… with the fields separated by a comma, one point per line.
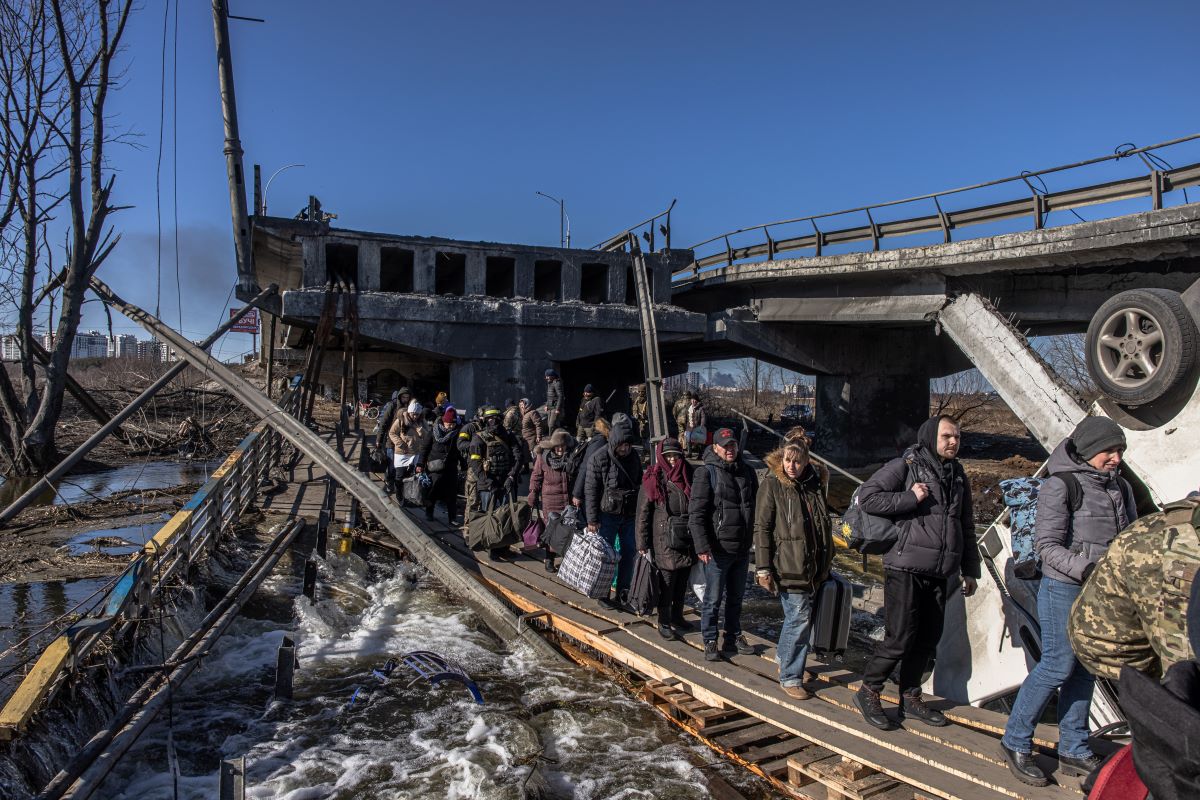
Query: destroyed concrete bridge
x=485, y=320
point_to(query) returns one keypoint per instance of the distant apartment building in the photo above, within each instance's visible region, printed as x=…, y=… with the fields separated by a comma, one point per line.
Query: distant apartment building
x=92, y=344
x=688, y=381
x=124, y=345
x=10, y=348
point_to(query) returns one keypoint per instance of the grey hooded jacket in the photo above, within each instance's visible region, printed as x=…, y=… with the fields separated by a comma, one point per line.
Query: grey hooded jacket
x=1067, y=543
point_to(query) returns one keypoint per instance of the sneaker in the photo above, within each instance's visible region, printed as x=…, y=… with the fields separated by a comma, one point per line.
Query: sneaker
x=665, y=631
x=867, y=702
x=738, y=644
x=1024, y=768
x=1079, y=767
x=710, y=651
x=797, y=692
x=550, y=565
x=911, y=705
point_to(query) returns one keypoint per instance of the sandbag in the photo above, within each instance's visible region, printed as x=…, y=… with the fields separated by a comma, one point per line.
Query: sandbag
x=644, y=588
x=589, y=565
x=500, y=526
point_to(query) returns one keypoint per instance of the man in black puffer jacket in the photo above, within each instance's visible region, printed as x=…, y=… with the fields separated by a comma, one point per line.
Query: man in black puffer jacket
x=614, y=475
x=928, y=496
x=721, y=521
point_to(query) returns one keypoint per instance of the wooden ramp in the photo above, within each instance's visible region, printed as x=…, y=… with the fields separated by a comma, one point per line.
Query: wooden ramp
x=819, y=748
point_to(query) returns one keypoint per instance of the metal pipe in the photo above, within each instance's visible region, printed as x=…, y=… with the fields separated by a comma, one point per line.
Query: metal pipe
x=811, y=454
x=87, y=770
x=410, y=536
x=64, y=466
x=233, y=147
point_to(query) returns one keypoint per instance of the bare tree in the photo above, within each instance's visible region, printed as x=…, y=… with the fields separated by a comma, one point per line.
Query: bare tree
x=1067, y=357
x=965, y=396
x=56, y=70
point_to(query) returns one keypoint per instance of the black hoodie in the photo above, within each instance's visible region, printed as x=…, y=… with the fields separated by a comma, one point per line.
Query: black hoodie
x=607, y=471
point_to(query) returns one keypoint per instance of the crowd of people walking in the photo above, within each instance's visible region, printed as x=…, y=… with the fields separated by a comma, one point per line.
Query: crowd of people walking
x=701, y=523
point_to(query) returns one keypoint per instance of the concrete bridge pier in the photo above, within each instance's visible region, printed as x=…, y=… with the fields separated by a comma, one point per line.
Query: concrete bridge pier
x=867, y=417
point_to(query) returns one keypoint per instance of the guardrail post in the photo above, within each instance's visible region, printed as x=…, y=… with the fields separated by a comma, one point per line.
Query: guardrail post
x=285, y=669
x=233, y=779
x=310, y=580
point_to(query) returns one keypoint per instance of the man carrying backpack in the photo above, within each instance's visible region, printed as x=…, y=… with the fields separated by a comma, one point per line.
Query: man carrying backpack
x=494, y=458
x=1080, y=509
x=721, y=521
x=928, y=496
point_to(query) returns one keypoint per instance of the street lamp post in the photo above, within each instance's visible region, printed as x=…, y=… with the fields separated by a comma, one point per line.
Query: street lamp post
x=564, y=222
x=267, y=188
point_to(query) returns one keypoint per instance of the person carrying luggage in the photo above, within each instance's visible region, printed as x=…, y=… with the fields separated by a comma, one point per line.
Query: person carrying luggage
x=662, y=532
x=495, y=462
x=926, y=493
x=594, y=445
x=721, y=521
x=387, y=416
x=409, y=436
x=550, y=481
x=614, y=475
x=1080, y=509
x=441, y=459
x=793, y=550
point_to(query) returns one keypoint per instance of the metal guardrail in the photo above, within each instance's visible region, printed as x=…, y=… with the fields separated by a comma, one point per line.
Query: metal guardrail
x=186, y=536
x=1160, y=180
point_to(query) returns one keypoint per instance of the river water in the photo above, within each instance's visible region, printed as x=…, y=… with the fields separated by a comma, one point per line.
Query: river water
x=96, y=485
x=404, y=739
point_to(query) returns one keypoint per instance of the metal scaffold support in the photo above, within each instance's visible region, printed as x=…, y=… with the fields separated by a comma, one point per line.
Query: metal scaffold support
x=655, y=397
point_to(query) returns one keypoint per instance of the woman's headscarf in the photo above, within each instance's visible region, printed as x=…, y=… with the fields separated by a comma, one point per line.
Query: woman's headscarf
x=677, y=475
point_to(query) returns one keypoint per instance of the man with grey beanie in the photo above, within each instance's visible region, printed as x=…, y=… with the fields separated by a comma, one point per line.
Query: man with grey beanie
x=1081, y=507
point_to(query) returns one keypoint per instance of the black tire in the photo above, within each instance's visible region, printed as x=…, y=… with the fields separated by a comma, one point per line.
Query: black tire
x=1141, y=344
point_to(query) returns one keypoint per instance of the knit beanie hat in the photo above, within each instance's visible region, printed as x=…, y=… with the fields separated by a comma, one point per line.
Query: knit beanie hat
x=415, y=408
x=621, y=430
x=450, y=416
x=1095, y=435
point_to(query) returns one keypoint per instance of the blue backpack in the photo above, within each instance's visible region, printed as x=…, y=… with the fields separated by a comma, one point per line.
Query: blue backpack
x=1020, y=495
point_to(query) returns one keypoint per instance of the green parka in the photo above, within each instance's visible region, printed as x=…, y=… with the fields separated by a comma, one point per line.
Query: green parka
x=792, y=526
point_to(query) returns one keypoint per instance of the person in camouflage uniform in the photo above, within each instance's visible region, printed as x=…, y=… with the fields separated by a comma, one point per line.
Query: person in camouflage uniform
x=1133, y=609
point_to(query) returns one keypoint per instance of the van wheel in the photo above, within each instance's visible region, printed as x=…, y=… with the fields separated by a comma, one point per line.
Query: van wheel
x=1140, y=344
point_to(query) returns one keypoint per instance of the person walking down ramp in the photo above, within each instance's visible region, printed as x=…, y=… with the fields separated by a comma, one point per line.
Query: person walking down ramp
x=793, y=550
x=926, y=493
x=662, y=532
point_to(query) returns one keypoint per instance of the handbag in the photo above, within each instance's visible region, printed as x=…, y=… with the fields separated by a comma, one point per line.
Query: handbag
x=679, y=535
x=437, y=465
x=644, y=588
x=532, y=535
x=615, y=501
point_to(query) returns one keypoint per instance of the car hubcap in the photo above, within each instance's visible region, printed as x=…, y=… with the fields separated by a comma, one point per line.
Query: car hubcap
x=1130, y=348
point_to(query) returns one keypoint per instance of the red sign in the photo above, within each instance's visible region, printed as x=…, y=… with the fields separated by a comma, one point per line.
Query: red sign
x=247, y=324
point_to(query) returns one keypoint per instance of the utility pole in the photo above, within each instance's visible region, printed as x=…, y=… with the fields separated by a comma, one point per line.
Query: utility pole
x=233, y=148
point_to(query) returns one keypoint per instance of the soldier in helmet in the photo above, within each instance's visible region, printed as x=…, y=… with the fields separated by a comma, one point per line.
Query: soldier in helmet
x=494, y=458
x=465, y=435
x=1133, y=608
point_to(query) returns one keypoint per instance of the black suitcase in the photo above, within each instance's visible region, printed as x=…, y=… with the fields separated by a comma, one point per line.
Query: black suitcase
x=831, y=616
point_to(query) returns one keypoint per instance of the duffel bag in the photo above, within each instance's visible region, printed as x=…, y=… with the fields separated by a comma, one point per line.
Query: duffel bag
x=644, y=588
x=500, y=526
x=589, y=565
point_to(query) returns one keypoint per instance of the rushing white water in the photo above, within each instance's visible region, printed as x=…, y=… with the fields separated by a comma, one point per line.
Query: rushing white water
x=402, y=739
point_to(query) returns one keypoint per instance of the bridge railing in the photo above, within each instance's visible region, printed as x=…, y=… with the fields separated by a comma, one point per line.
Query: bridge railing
x=185, y=537
x=1161, y=179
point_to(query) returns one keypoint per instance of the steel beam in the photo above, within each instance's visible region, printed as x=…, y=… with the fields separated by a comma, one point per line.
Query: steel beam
x=372, y=498
x=64, y=466
x=656, y=401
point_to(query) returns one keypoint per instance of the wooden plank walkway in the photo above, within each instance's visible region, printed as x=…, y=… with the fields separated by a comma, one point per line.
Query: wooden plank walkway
x=819, y=748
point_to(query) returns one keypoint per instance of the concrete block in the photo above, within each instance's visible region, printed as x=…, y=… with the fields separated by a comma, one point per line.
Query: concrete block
x=476, y=281
x=423, y=270
x=368, y=266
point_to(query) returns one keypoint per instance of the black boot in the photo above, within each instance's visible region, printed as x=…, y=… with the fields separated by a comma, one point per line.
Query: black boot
x=1079, y=767
x=1024, y=768
x=550, y=564
x=867, y=702
x=911, y=705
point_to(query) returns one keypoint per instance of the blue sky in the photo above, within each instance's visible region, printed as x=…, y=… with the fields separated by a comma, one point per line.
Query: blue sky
x=445, y=118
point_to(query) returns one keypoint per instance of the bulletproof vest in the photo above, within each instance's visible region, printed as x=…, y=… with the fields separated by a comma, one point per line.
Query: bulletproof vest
x=498, y=458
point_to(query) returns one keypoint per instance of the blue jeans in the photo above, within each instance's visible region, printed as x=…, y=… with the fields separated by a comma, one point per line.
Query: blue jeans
x=618, y=532
x=792, y=649
x=1058, y=670
x=725, y=580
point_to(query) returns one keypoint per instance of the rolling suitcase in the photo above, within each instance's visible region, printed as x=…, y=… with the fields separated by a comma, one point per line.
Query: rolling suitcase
x=831, y=616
